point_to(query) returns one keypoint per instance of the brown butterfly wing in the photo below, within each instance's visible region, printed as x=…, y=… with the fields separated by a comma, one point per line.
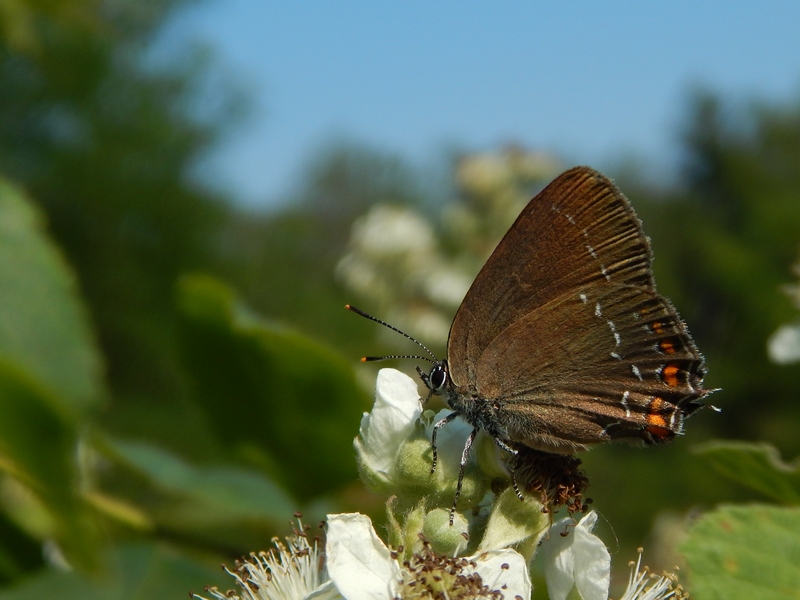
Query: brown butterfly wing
x=578, y=228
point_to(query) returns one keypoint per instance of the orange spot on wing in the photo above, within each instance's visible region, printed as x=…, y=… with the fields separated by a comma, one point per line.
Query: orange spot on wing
x=657, y=425
x=670, y=375
x=666, y=346
x=658, y=327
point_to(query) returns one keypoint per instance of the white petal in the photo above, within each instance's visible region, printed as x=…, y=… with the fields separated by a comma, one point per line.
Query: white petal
x=559, y=560
x=579, y=559
x=490, y=566
x=396, y=410
x=358, y=562
x=327, y=591
x=592, y=561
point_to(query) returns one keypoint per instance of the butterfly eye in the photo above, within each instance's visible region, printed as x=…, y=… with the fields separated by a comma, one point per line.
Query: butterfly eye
x=438, y=377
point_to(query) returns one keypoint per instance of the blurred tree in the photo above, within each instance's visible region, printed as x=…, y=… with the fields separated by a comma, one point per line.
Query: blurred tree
x=284, y=261
x=104, y=142
x=20, y=20
x=414, y=271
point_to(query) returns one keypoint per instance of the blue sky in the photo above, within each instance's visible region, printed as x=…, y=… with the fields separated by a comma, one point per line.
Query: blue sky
x=594, y=82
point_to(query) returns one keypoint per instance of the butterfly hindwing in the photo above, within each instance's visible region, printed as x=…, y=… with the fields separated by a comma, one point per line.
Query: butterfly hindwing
x=600, y=363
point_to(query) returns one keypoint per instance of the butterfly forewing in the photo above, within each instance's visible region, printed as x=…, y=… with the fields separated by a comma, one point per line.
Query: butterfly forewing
x=578, y=230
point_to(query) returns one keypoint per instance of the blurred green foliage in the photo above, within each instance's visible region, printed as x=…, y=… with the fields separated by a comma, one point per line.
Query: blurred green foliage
x=267, y=393
x=152, y=425
x=104, y=144
x=124, y=449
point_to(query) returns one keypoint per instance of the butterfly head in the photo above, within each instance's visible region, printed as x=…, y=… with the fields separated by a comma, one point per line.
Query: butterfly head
x=437, y=380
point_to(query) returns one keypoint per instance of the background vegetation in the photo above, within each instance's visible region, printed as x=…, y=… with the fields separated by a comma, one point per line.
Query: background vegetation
x=177, y=375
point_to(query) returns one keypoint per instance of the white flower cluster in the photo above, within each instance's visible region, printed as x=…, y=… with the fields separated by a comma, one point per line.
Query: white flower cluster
x=359, y=566
x=422, y=558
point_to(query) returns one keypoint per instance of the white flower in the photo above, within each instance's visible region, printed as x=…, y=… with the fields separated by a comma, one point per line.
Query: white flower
x=577, y=559
x=483, y=173
x=387, y=246
x=394, y=449
x=659, y=588
x=359, y=564
x=396, y=410
x=363, y=568
x=446, y=286
x=392, y=230
x=291, y=571
x=784, y=344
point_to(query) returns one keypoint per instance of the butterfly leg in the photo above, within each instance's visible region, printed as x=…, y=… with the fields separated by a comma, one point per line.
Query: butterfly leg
x=516, y=488
x=464, y=457
x=436, y=427
x=427, y=381
x=513, y=468
x=503, y=446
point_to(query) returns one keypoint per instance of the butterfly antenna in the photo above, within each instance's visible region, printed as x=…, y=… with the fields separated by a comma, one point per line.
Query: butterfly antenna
x=389, y=357
x=360, y=312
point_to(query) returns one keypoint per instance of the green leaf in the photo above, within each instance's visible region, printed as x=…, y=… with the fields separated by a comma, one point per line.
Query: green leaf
x=274, y=398
x=745, y=552
x=44, y=329
x=134, y=572
x=37, y=447
x=757, y=466
x=212, y=495
x=50, y=374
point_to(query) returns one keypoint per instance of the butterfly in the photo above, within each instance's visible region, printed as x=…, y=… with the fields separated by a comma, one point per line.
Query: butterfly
x=562, y=342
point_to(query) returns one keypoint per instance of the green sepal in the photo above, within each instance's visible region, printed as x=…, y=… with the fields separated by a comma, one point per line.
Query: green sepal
x=514, y=522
